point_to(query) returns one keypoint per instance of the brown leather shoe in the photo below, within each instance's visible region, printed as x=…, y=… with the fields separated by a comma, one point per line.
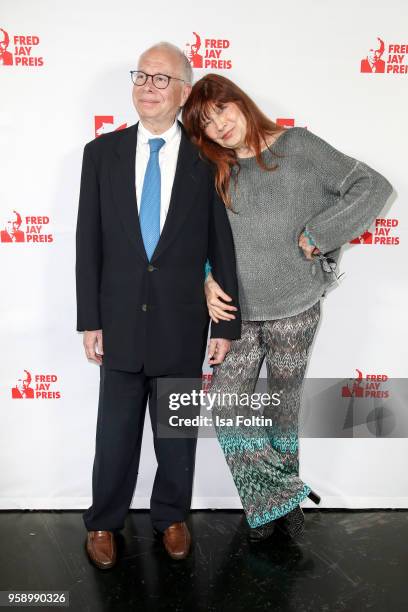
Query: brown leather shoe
x=101, y=548
x=177, y=540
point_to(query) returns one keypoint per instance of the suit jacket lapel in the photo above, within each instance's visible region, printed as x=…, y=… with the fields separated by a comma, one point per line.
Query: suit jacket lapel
x=185, y=185
x=123, y=178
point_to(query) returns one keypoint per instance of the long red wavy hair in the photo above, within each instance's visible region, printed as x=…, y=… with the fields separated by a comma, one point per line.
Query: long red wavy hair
x=215, y=90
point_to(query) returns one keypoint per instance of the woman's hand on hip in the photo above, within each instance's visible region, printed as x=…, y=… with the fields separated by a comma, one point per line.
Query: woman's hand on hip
x=217, y=309
x=308, y=248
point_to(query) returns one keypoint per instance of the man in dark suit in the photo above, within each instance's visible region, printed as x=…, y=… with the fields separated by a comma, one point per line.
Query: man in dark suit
x=148, y=220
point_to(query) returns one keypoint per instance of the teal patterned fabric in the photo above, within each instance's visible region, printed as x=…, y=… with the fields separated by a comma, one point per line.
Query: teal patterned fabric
x=264, y=461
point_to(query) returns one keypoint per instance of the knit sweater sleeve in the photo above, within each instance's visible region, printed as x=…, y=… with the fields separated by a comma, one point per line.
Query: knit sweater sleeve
x=360, y=194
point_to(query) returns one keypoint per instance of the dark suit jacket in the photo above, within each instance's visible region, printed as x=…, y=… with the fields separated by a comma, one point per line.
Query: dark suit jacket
x=153, y=314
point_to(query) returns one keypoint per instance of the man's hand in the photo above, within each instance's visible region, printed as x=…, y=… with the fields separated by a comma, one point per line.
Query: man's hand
x=217, y=349
x=93, y=342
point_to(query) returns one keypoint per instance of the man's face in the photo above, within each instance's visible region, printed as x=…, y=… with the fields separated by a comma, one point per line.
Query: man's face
x=160, y=105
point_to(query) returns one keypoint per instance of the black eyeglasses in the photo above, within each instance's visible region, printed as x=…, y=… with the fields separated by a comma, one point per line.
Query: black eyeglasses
x=160, y=81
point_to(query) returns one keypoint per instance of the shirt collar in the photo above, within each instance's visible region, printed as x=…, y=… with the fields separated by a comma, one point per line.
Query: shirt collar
x=144, y=134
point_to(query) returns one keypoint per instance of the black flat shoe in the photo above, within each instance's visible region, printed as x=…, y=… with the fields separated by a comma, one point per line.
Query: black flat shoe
x=293, y=523
x=261, y=533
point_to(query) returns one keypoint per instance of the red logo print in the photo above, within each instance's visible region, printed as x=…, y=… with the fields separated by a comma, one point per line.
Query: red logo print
x=20, y=52
x=373, y=62
x=32, y=232
x=35, y=387
x=208, y=53
x=105, y=124
x=370, y=386
x=382, y=234
x=394, y=62
x=6, y=58
x=11, y=231
x=23, y=390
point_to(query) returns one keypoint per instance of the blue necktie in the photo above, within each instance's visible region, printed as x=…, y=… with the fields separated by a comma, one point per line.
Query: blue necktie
x=149, y=214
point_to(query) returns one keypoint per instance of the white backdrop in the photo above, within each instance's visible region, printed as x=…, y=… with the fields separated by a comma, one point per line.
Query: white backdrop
x=299, y=61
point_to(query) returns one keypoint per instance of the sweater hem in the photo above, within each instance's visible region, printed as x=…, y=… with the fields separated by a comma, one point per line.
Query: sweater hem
x=253, y=315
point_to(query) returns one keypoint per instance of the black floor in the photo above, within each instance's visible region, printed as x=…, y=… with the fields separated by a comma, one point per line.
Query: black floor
x=346, y=560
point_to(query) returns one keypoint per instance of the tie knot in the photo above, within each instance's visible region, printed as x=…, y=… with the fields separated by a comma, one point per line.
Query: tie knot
x=156, y=144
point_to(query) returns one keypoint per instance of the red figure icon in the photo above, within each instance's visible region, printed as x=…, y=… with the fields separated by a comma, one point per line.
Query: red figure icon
x=12, y=231
x=192, y=54
x=6, y=58
x=356, y=389
x=373, y=61
x=285, y=122
x=22, y=390
x=105, y=124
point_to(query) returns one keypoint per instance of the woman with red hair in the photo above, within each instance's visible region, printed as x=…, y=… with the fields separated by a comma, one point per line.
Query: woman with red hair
x=292, y=200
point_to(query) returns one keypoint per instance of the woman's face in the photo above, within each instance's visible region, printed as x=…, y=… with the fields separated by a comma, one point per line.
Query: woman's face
x=226, y=125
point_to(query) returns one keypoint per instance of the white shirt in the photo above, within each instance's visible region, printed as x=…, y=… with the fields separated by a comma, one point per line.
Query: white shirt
x=168, y=155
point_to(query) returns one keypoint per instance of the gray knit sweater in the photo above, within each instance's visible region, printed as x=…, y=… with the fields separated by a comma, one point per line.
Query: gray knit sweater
x=317, y=188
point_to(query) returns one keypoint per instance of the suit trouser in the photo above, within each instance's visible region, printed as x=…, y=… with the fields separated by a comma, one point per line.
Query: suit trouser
x=123, y=398
x=264, y=459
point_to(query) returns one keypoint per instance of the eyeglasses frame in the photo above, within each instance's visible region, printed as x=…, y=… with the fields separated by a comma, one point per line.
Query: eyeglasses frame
x=132, y=72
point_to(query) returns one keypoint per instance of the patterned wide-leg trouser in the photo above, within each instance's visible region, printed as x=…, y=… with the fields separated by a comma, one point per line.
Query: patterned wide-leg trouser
x=264, y=460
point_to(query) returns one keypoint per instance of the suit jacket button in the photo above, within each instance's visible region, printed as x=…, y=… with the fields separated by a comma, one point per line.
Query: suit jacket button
x=144, y=307
x=150, y=268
